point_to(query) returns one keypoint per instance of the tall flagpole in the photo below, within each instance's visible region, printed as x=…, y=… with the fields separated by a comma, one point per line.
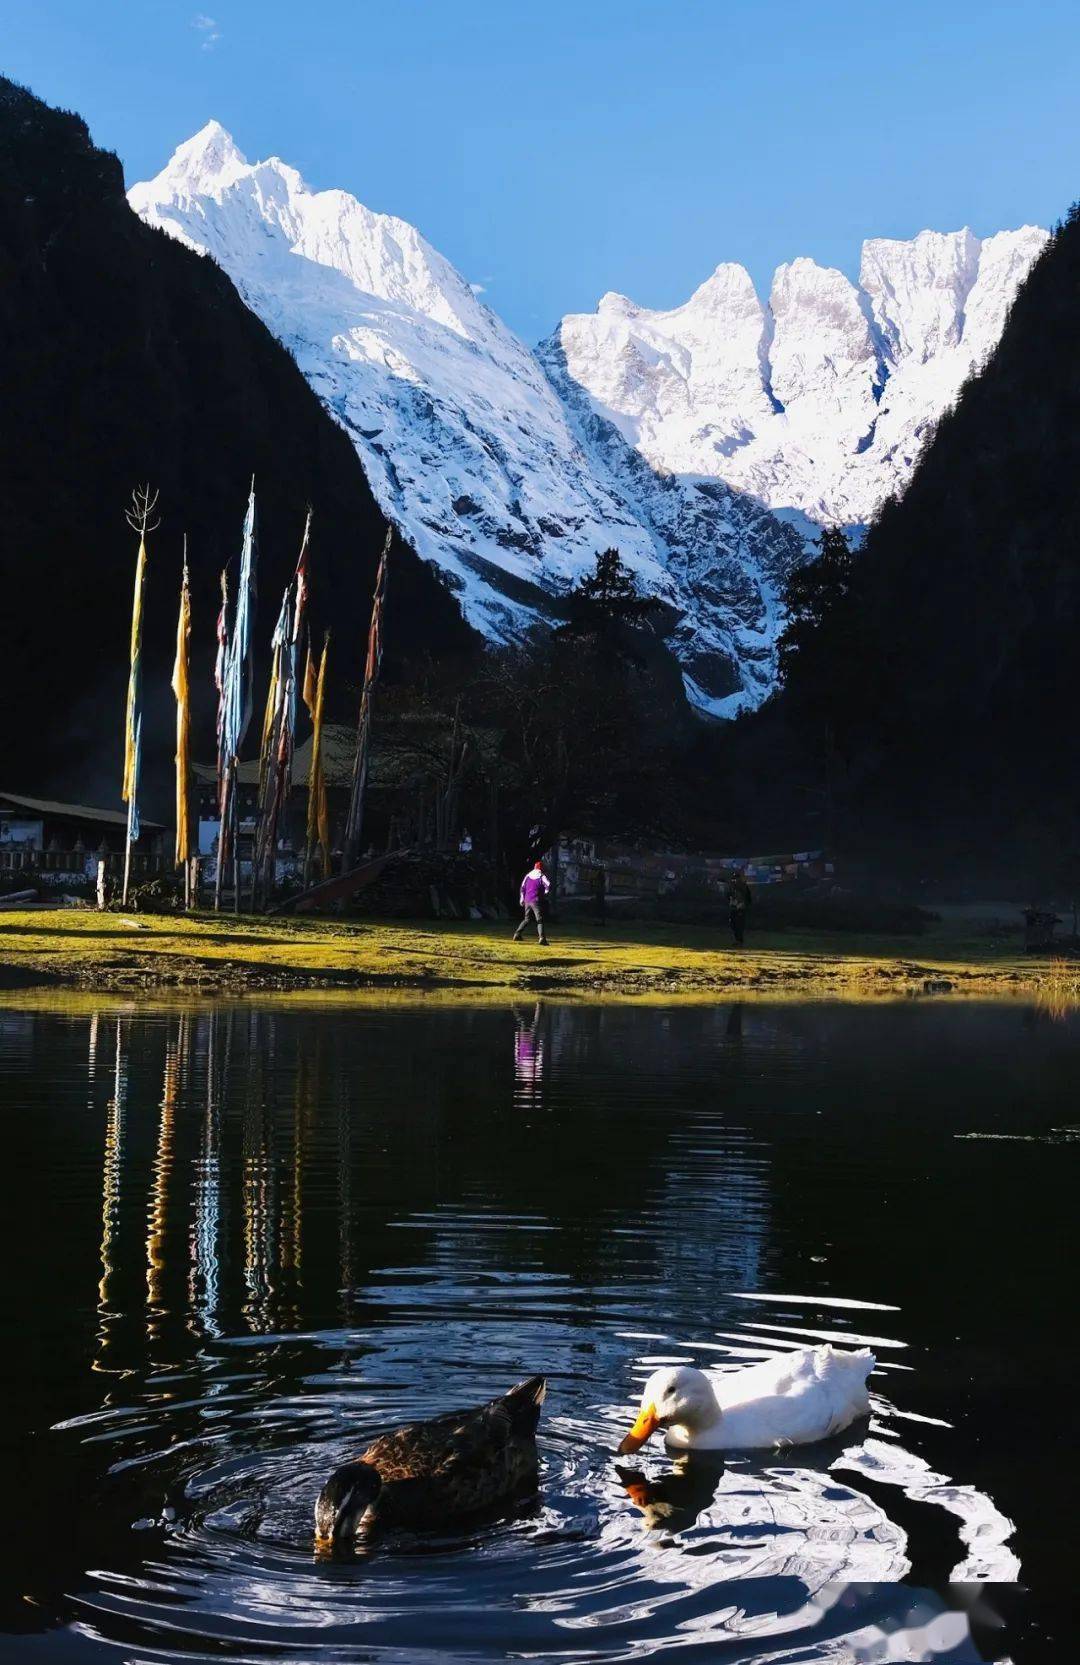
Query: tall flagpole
x=221, y=666
x=372, y=666
x=318, y=827
x=181, y=689
x=236, y=698
x=279, y=724
x=138, y=516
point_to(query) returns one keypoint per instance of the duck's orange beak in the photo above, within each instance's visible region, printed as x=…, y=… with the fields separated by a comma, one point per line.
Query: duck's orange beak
x=644, y=1426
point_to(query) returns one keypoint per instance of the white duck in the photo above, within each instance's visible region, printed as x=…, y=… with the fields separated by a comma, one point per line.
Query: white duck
x=792, y=1399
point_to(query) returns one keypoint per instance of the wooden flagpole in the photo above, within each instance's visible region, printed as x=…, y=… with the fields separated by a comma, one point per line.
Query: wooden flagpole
x=127, y=853
x=372, y=666
x=142, y=507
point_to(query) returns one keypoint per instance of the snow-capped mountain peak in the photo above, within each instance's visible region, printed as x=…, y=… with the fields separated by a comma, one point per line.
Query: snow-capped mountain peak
x=704, y=441
x=465, y=441
x=821, y=401
x=383, y=256
x=204, y=162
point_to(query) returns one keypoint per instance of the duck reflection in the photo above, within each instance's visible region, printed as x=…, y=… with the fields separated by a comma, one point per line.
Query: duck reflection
x=673, y=1501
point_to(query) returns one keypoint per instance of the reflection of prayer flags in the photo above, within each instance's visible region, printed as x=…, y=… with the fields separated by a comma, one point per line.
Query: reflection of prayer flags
x=181, y=689
x=133, y=717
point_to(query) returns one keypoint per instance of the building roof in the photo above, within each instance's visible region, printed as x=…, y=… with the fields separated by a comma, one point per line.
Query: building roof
x=339, y=752
x=72, y=812
x=398, y=743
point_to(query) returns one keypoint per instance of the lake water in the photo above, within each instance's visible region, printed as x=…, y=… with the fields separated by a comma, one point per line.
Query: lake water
x=244, y=1238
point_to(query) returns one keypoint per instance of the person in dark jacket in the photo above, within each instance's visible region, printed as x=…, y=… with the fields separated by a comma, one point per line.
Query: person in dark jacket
x=739, y=900
x=534, y=888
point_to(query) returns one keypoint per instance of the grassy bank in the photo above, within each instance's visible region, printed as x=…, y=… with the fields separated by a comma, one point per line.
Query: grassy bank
x=212, y=953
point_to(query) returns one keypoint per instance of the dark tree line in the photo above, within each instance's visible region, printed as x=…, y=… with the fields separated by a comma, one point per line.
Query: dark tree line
x=584, y=728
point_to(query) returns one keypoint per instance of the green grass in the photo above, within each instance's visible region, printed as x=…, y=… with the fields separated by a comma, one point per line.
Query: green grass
x=209, y=952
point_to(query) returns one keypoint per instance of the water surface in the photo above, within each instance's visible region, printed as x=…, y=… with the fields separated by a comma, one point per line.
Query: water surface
x=244, y=1238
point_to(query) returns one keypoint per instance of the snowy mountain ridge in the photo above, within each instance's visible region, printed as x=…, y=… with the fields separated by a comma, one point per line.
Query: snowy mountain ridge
x=673, y=435
x=820, y=400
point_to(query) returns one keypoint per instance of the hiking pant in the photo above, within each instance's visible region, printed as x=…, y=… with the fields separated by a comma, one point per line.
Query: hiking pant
x=737, y=916
x=533, y=911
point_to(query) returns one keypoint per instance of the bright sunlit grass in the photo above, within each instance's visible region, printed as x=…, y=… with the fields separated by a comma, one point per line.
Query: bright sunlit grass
x=208, y=951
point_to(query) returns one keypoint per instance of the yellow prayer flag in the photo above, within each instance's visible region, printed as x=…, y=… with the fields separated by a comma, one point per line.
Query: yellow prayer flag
x=181, y=689
x=309, y=690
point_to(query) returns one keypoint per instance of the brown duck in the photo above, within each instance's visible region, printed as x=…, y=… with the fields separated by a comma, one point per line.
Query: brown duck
x=432, y=1472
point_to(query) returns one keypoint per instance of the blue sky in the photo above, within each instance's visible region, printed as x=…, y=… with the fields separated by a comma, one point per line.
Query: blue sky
x=553, y=151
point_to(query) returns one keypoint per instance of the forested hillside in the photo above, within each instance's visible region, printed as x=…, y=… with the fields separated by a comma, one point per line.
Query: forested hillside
x=126, y=357
x=933, y=698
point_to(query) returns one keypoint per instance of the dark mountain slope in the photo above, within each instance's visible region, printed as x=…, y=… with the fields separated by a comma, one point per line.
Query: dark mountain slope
x=124, y=357
x=945, y=686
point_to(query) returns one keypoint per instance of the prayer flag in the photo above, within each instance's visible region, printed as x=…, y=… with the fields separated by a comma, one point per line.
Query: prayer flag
x=181, y=689
x=238, y=689
x=318, y=816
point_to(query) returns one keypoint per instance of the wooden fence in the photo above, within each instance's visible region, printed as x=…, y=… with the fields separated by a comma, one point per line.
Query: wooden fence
x=17, y=858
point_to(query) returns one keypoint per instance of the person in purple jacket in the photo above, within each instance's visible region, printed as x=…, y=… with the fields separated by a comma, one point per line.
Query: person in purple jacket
x=534, y=888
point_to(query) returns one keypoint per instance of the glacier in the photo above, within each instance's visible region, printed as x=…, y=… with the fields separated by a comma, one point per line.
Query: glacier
x=708, y=442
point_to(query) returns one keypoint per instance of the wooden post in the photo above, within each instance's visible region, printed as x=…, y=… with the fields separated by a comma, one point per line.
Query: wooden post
x=354, y=824
x=223, y=811
x=101, y=884
x=236, y=849
x=127, y=851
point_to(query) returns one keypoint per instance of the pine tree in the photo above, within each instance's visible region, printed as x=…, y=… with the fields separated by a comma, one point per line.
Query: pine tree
x=816, y=614
x=606, y=600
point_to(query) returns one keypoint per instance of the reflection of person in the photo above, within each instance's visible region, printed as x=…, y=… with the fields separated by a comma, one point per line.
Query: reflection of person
x=534, y=889
x=739, y=900
x=528, y=1056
